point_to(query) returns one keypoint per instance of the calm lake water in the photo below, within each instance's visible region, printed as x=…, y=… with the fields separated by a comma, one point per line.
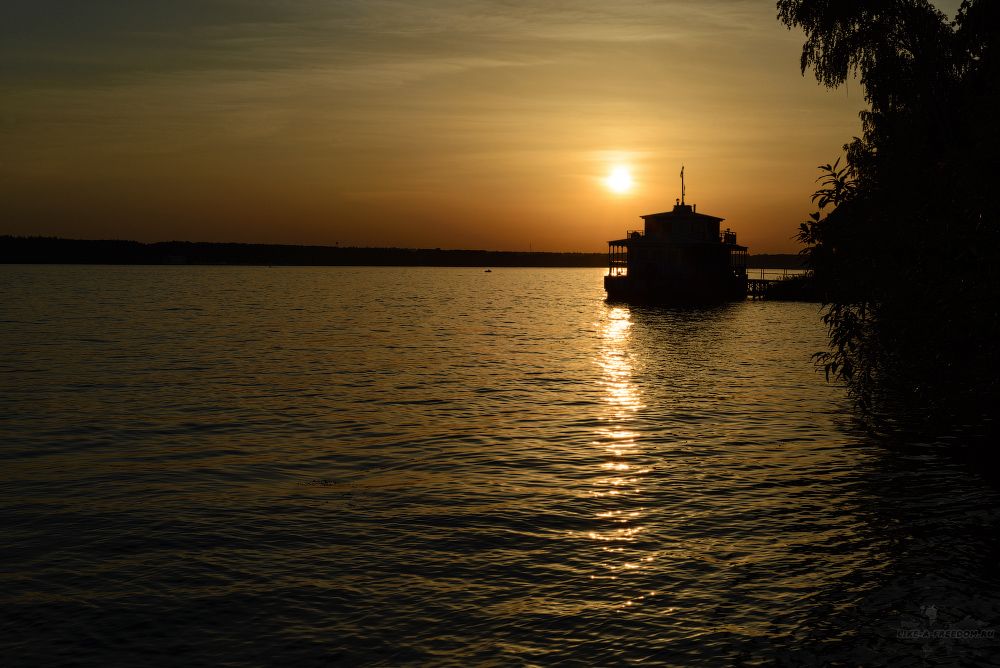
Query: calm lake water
x=386, y=466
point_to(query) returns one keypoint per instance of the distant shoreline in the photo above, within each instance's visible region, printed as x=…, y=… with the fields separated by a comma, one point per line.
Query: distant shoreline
x=54, y=250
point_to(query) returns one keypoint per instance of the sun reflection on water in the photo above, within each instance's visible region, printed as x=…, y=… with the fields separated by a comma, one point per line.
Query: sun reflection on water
x=618, y=483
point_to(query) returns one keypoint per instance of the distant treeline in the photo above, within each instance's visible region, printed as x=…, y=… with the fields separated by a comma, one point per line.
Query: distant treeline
x=52, y=250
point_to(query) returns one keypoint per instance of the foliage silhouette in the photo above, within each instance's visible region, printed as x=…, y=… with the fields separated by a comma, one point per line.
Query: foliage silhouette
x=905, y=240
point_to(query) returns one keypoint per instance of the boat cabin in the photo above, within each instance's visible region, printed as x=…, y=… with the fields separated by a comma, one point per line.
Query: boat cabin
x=680, y=256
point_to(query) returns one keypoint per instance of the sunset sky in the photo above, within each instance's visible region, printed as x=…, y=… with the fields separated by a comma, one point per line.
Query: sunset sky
x=431, y=123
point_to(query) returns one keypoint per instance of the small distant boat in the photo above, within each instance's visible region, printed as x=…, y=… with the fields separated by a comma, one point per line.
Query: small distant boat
x=488, y=271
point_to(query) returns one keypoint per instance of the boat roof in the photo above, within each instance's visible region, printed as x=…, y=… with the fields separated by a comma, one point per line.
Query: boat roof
x=681, y=210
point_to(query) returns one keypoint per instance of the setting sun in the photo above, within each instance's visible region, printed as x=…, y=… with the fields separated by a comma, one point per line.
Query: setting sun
x=619, y=180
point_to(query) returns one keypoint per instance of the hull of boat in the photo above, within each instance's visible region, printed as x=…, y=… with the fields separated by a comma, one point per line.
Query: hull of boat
x=651, y=291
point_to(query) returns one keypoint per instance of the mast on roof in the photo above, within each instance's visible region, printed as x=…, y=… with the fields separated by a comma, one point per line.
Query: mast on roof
x=682, y=184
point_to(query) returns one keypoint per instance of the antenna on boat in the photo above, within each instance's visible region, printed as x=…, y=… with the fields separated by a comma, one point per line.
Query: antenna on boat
x=682, y=184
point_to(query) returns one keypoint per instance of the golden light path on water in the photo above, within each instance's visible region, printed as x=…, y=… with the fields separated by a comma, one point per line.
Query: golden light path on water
x=621, y=473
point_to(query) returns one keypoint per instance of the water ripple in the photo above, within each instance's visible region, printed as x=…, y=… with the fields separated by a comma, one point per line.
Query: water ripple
x=388, y=466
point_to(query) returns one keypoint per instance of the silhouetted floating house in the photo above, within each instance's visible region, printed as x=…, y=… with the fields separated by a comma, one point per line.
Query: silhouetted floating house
x=680, y=257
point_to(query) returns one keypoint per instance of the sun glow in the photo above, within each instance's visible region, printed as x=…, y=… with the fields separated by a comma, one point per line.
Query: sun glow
x=619, y=180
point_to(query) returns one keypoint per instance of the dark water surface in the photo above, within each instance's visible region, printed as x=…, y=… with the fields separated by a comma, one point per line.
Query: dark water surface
x=385, y=466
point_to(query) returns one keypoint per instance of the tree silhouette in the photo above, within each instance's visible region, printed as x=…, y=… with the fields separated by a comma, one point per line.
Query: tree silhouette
x=905, y=241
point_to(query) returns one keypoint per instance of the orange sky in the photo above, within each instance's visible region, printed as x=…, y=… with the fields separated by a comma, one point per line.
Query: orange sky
x=439, y=123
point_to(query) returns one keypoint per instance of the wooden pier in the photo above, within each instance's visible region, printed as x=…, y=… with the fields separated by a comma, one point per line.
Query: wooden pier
x=796, y=287
x=757, y=287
